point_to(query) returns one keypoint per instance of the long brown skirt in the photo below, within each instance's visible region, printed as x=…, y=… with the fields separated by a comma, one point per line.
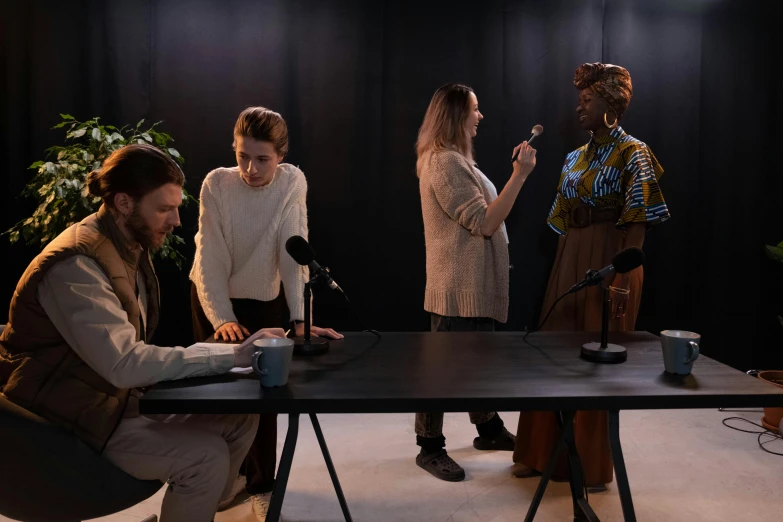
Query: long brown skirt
x=579, y=250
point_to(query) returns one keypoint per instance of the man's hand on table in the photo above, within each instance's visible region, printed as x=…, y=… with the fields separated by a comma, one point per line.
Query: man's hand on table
x=243, y=354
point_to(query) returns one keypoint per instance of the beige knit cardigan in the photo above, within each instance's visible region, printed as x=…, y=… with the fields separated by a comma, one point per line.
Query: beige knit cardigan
x=467, y=273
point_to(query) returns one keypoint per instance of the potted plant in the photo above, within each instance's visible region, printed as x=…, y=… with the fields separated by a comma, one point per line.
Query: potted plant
x=59, y=185
x=773, y=416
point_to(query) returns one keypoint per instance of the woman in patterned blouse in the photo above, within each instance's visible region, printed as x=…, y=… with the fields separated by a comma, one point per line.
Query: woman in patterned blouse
x=607, y=199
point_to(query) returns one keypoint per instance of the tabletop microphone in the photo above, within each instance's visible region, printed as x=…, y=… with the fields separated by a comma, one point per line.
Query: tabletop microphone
x=603, y=351
x=536, y=131
x=622, y=262
x=301, y=251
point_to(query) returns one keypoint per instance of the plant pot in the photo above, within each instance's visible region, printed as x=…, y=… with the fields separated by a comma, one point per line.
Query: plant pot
x=772, y=416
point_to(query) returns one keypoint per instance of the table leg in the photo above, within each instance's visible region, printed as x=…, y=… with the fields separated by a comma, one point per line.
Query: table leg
x=582, y=510
x=619, y=467
x=550, y=468
x=330, y=466
x=284, y=469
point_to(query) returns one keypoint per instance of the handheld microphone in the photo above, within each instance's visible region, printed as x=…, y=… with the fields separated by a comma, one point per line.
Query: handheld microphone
x=301, y=251
x=536, y=131
x=622, y=262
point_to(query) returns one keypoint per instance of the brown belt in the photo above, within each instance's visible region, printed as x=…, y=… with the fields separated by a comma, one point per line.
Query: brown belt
x=584, y=215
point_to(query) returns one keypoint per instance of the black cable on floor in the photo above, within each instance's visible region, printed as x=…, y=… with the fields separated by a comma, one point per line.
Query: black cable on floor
x=771, y=435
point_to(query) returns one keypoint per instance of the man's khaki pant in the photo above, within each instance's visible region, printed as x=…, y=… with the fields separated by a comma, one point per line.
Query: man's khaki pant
x=198, y=455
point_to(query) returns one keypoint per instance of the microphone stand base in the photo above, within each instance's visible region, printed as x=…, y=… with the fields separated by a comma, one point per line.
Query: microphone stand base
x=612, y=354
x=313, y=346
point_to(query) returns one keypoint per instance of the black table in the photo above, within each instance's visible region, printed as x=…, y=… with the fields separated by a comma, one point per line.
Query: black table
x=457, y=372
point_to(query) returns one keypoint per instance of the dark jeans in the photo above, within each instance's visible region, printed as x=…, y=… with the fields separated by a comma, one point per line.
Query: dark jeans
x=261, y=461
x=429, y=426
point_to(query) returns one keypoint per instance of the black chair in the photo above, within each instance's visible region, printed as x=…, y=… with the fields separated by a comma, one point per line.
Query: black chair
x=47, y=474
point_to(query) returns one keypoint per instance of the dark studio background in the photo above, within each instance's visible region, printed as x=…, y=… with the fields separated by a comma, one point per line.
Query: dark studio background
x=353, y=79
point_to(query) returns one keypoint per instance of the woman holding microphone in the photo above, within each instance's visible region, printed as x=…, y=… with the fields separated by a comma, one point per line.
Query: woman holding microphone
x=466, y=250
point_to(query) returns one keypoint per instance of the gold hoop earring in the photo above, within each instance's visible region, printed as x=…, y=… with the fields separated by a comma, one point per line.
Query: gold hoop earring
x=613, y=125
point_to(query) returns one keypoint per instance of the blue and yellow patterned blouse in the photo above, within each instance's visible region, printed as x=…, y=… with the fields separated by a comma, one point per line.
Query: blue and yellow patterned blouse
x=615, y=171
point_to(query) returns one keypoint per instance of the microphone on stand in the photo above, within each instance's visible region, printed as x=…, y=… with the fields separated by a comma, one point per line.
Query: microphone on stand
x=536, y=131
x=301, y=252
x=622, y=262
x=299, y=249
x=603, y=352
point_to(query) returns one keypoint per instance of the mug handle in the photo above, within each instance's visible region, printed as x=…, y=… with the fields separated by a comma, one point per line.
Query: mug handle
x=255, y=360
x=694, y=352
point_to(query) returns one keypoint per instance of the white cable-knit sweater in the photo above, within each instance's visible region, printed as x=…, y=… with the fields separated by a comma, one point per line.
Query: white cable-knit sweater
x=240, y=244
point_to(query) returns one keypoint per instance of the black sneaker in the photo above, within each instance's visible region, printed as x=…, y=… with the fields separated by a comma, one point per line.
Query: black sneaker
x=505, y=441
x=441, y=466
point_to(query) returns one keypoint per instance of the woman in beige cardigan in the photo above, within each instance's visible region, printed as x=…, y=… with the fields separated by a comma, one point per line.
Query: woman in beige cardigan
x=467, y=251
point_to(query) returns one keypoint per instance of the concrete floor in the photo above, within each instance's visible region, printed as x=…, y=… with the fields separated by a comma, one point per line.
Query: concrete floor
x=683, y=466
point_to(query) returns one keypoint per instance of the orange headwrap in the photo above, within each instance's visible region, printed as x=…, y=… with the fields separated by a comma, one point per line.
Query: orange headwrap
x=610, y=82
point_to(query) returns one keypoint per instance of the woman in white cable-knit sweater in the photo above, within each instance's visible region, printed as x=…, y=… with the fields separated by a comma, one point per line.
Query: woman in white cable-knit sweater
x=247, y=213
x=467, y=251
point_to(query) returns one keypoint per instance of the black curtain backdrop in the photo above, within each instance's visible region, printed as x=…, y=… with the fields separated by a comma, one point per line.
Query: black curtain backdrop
x=353, y=79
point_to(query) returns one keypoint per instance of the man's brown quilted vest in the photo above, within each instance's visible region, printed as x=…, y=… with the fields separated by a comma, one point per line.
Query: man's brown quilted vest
x=38, y=370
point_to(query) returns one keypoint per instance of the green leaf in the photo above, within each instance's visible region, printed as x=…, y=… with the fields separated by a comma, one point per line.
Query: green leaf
x=775, y=253
x=66, y=116
x=140, y=122
x=58, y=188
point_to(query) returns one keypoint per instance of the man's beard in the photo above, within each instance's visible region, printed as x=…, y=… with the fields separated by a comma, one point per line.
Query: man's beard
x=141, y=231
